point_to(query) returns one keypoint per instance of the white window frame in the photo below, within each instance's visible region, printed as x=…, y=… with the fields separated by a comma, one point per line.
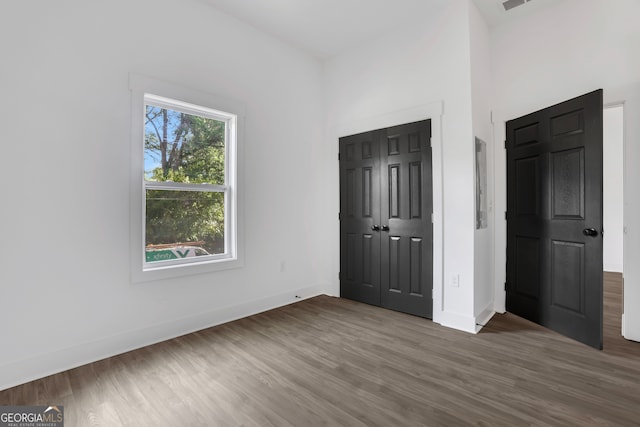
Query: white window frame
x=149, y=91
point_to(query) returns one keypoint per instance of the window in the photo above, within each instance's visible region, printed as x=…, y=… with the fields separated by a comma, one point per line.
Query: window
x=185, y=182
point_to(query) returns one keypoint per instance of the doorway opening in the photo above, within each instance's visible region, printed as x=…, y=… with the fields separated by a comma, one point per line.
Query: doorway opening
x=613, y=167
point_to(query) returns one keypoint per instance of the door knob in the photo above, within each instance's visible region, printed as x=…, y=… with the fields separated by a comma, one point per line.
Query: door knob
x=590, y=232
x=385, y=228
x=375, y=227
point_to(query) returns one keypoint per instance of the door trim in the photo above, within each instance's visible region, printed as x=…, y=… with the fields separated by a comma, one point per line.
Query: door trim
x=433, y=111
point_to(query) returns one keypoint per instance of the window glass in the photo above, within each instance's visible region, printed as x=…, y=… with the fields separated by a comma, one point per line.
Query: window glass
x=184, y=219
x=181, y=147
x=185, y=179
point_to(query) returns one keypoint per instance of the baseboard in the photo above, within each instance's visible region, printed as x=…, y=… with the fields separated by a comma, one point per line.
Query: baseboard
x=46, y=364
x=483, y=318
x=629, y=336
x=499, y=299
x=458, y=321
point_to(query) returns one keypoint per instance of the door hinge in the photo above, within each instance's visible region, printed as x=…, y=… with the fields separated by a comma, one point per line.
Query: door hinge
x=339, y=276
x=505, y=143
x=505, y=286
x=505, y=215
x=339, y=216
x=432, y=221
x=338, y=156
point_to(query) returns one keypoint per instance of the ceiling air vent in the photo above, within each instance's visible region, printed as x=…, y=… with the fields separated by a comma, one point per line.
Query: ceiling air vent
x=510, y=4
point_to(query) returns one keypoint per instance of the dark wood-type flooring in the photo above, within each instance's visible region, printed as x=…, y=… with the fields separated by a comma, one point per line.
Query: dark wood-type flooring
x=330, y=361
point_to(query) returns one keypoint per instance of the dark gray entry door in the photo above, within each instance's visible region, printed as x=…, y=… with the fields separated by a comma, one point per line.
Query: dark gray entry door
x=386, y=233
x=554, y=218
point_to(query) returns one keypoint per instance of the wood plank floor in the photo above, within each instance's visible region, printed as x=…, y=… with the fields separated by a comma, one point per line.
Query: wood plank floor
x=330, y=361
x=614, y=343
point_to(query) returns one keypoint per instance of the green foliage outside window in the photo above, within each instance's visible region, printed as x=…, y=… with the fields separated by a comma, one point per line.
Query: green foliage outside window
x=184, y=148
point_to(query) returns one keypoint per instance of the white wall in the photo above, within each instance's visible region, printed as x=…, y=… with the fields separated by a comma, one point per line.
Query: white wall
x=66, y=297
x=613, y=161
x=561, y=52
x=412, y=68
x=483, y=129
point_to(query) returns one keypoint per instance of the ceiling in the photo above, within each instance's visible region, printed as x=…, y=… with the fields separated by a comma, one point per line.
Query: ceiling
x=326, y=28
x=495, y=15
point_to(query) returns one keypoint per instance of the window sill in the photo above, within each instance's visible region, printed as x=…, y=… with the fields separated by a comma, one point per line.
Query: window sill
x=162, y=272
